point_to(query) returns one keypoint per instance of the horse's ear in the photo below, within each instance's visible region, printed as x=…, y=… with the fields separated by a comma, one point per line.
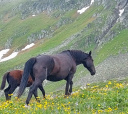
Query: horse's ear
x=90, y=53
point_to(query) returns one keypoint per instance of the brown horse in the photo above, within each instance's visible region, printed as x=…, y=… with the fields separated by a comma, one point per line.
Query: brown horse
x=14, y=78
x=55, y=68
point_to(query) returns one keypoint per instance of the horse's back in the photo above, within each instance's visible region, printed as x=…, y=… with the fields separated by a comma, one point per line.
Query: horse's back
x=43, y=61
x=64, y=60
x=63, y=66
x=15, y=75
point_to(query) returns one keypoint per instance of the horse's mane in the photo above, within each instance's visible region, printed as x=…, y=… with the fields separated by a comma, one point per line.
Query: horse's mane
x=78, y=55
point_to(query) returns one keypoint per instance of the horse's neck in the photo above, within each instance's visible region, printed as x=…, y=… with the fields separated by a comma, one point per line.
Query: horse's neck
x=78, y=56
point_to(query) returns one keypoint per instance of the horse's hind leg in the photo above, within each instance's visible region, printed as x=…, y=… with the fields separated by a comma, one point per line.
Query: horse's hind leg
x=33, y=88
x=36, y=95
x=6, y=92
x=42, y=90
x=11, y=90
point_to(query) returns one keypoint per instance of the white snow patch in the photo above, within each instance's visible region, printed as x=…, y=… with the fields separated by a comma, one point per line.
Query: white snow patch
x=85, y=8
x=121, y=12
x=82, y=10
x=3, y=52
x=14, y=54
x=28, y=46
x=92, y=1
x=33, y=15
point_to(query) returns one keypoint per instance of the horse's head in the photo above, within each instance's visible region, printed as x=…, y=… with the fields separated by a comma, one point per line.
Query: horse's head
x=88, y=63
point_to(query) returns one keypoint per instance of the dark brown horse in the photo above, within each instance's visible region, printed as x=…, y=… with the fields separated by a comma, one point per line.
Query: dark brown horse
x=54, y=68
x=14, y=78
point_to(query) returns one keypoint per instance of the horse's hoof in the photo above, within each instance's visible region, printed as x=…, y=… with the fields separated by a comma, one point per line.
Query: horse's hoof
x=69, y=93
x=27, y=106
x=38, y=101
x=44, y=98
x=65, y=96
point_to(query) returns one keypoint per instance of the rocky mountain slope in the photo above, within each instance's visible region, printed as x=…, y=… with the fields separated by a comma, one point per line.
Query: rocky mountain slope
x=56, y=25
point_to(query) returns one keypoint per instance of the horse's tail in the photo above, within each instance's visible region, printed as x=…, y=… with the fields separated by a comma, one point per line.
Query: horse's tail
x=27, y=69
x=4, y=80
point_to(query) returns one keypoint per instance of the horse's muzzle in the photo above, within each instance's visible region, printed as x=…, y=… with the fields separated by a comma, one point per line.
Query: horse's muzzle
x=93, y=73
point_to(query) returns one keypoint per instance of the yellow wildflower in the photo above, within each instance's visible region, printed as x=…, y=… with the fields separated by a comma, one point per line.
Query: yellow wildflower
x=109, y=83
x=10, y=94
x=106, y=86
x=39, y=105
x=108, y=110
x=98, y=104
x=116, y=108
x=88, y=84
x=99, y=111
x=119, y=85
x=122, y=113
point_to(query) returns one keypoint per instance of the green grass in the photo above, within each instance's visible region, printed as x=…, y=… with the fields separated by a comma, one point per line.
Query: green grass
x=6, y=7
x=108, y=97
x=118, y=45
x=22, y=29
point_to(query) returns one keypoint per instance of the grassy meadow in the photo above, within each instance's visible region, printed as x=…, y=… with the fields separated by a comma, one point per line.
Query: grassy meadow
x=98, y=98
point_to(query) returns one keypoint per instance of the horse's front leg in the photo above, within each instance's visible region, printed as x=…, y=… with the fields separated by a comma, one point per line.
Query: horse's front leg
x=66, y=89
x=70, y=90
x=69, y=82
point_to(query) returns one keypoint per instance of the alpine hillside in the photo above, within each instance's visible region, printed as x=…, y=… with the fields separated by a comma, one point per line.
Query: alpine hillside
x=56, y=25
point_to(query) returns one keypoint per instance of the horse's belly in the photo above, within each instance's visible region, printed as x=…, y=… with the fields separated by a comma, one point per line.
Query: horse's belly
x=54, y=78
